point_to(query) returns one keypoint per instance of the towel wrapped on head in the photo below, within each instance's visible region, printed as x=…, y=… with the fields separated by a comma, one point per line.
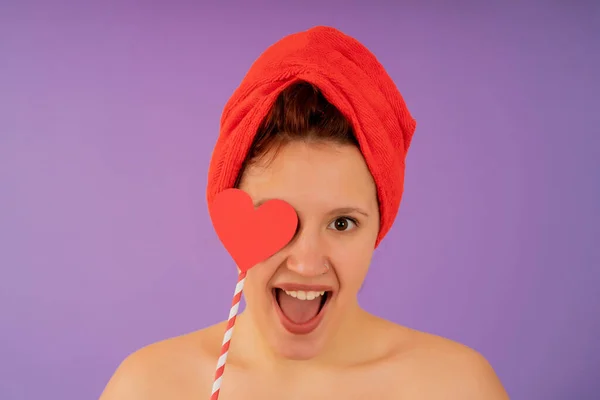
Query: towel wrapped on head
x=350, y=78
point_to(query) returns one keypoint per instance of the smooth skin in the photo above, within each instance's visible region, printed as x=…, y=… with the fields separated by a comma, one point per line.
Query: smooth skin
x=352, y=354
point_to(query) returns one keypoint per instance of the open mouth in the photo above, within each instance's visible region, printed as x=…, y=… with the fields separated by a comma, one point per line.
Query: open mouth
x=301, y=311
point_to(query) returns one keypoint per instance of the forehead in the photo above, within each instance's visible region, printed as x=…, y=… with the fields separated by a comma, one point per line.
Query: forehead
x=317, y=174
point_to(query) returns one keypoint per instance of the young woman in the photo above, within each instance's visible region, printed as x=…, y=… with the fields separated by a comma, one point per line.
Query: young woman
x=316, y=122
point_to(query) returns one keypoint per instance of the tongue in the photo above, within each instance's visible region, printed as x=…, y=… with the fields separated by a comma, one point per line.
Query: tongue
x=298, y=311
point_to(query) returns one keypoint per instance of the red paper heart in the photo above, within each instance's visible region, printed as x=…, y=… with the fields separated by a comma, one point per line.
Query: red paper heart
x=249, y=234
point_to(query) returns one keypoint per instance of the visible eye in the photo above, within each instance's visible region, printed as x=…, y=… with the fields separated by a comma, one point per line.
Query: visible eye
x=343, y=224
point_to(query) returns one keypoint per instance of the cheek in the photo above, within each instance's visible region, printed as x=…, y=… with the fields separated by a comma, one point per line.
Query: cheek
x=353, y=266
x=256, y=282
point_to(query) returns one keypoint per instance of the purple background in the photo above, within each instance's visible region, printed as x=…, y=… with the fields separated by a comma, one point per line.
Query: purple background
x=108, y=115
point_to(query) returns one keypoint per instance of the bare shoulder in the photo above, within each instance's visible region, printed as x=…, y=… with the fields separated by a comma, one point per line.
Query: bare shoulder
x=171, y=368
x=447, y=369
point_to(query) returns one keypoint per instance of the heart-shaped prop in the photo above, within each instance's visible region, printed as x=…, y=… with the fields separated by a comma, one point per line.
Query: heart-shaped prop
x=250, y=234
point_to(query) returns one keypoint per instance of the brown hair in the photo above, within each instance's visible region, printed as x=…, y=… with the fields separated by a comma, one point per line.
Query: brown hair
x=300, y=112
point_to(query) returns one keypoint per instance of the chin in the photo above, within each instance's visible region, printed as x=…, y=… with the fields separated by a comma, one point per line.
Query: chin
x=300, y=341
x=288, y=335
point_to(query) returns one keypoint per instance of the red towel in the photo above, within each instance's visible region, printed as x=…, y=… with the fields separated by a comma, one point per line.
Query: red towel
x=352, y=79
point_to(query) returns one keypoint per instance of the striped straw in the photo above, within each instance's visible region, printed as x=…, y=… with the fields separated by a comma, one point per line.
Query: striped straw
x=235, y=305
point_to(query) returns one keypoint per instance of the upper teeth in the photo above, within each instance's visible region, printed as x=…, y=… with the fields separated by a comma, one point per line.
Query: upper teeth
x=302, y=295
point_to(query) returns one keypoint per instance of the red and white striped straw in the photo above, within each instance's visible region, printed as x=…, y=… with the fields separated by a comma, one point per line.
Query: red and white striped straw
x=235, y=305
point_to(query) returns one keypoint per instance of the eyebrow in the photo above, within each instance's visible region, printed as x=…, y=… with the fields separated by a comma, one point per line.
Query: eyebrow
x=260, y=202
x=341, y=210
x=349, y=210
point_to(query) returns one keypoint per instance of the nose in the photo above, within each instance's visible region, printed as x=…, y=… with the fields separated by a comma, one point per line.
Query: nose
x=307, y=257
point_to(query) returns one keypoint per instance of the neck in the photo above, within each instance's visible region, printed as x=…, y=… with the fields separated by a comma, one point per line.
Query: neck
x=343, y=345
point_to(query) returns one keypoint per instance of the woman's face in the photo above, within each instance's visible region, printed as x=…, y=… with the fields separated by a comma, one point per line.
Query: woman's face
x=301, y=296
